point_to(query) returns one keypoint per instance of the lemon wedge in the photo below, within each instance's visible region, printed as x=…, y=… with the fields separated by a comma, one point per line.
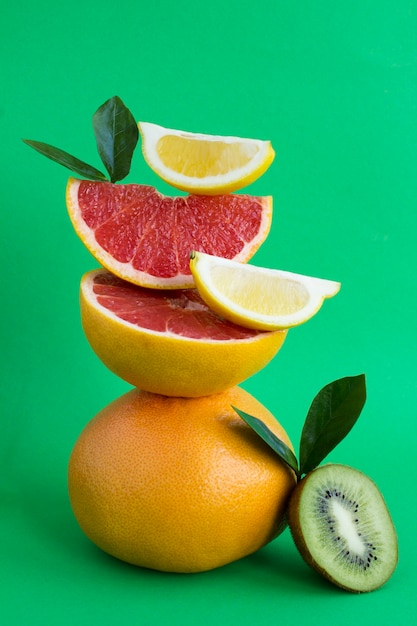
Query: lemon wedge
x=257, y=297
x=204, y=164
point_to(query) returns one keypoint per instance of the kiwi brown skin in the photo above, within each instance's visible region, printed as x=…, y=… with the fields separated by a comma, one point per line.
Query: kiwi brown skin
x=295, y=527
x=293, y=517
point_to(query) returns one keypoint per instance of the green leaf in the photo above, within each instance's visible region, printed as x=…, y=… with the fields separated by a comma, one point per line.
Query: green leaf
x=67, y=160
x=331, y=416
x=116, y=135
x=278, y=446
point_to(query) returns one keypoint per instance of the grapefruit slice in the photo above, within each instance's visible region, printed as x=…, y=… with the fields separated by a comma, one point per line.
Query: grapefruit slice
x=146, y=238
x=204, y=164
x=168, y=341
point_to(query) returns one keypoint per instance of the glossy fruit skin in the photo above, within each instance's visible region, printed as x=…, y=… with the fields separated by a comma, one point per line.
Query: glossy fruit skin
x=178, y=485
x=172, y=365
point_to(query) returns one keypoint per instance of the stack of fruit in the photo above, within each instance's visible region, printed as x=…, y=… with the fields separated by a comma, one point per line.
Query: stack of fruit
x=173, y=475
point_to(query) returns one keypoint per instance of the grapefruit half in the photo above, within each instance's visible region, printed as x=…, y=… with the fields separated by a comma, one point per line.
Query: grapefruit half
x=168, y=341
x=146, y=238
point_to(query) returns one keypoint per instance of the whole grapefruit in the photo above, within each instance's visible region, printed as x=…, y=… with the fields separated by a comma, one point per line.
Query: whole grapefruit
x=179, y=484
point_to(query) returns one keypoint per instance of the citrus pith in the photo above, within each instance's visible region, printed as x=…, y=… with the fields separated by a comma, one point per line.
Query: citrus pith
x=179, y=485
x=201, y=163
x=146, y=238
x=168, y=342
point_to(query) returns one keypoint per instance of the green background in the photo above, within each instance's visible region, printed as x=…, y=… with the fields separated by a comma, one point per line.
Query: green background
x=334, y=86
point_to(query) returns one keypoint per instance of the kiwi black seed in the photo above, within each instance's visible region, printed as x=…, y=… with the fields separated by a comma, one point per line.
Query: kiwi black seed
x=342, y=527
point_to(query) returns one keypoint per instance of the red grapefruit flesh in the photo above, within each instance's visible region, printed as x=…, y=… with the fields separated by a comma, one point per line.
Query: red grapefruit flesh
x=146, y=238
x=176, y=312
x=168, y=341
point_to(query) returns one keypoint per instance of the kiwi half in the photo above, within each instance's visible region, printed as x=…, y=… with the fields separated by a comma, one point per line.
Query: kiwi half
x=342, y=528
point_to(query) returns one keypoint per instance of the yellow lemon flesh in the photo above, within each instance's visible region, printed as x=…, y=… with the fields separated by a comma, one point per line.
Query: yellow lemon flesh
x=256, y=297
x=204, y=164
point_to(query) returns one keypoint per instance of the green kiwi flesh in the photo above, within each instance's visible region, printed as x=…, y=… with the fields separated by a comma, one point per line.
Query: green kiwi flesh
x=342, y=527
